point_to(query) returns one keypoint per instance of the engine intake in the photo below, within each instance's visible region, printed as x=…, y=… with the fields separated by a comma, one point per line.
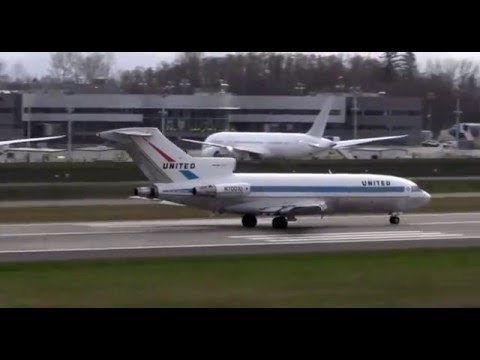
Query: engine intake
x=145, y=192
x=222, y=190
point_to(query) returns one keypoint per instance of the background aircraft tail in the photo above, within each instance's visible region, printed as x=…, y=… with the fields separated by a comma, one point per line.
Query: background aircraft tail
x=162, y=161
x=318, y=127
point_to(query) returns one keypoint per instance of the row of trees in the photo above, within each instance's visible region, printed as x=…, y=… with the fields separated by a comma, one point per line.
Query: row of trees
x=395, y=73
x=72, y=67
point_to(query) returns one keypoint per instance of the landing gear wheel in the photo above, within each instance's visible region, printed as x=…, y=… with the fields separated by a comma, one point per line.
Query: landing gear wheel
x=249, y=221
x=394, y=220
x=280, y=222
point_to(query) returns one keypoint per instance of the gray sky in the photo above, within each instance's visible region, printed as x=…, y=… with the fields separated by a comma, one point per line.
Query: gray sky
x=37, y=63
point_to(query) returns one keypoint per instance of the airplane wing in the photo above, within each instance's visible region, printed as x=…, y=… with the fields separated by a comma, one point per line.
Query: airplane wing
x=41, y=150
x=253, y=150
x=19, y=141
x=346, y=143
x=297, y=208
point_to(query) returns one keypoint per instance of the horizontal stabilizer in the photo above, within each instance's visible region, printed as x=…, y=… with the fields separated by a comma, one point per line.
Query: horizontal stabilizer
x=132, y=133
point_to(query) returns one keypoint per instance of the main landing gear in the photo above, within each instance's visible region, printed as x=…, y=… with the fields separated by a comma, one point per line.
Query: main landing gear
x=279, y=222
x=249, y=221
x=394, y=220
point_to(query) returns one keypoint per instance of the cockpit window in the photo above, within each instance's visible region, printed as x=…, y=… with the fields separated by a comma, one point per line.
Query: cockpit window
x=416, y=189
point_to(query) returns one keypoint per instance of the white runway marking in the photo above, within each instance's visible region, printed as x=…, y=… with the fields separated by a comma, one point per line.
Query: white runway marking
x=447, y=223
x=349, y=237
x=72, y=233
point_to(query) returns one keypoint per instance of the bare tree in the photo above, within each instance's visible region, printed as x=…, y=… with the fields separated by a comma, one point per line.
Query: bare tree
x=3, y=66
x=65, y=66
x=96, y=65
x=19, y=72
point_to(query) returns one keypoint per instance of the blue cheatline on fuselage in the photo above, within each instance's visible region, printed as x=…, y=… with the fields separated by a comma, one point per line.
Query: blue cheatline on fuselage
x=316, y=189
x=328, y=189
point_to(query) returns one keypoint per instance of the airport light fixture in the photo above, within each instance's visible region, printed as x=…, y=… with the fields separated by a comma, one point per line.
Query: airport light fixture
x=340, y=84
x=224, y=86
x=29, y=126
x=163, y=113
x=385, y=111
x=168, y=89
x=299, y=88
x=430, y=97
x=184, y=85
x=355, y=91
x=458, y=113
x=70, y=110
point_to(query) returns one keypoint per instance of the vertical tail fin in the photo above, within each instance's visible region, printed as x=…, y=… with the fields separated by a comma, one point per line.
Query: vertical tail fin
x=318, y=127
x=161, y=160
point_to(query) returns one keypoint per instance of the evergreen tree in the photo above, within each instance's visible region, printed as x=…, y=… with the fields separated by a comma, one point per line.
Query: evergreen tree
x=391, y=64
x=408, y=66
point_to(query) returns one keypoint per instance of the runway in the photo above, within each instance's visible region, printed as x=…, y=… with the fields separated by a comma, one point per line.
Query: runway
x=61, y=241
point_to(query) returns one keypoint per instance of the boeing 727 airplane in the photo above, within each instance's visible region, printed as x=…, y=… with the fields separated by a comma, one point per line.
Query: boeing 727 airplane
x=211, y=184
x=5, y=145
x=280, y=145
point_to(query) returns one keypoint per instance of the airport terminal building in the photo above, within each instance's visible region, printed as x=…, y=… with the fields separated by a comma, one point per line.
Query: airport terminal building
x=45, y=113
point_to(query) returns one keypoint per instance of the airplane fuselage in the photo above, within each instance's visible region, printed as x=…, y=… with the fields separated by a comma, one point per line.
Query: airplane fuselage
x=273, y=145
x=342, y=193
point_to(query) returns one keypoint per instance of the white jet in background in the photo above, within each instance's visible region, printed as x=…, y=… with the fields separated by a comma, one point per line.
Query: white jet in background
x=211, y=184
x=264, y=145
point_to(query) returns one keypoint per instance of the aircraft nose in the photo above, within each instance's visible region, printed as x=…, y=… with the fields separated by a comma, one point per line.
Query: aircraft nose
x=426, y=197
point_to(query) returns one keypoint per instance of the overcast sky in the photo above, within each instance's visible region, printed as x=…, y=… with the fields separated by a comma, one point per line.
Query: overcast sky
x=37, y=63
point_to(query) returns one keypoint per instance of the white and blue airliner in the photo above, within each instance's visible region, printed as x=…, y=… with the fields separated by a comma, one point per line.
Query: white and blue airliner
x=211, y=184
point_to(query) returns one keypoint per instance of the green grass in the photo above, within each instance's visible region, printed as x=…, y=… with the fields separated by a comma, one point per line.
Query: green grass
x=404, y=278
x=114, y=190
x=105, y=171
x=160, y=212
